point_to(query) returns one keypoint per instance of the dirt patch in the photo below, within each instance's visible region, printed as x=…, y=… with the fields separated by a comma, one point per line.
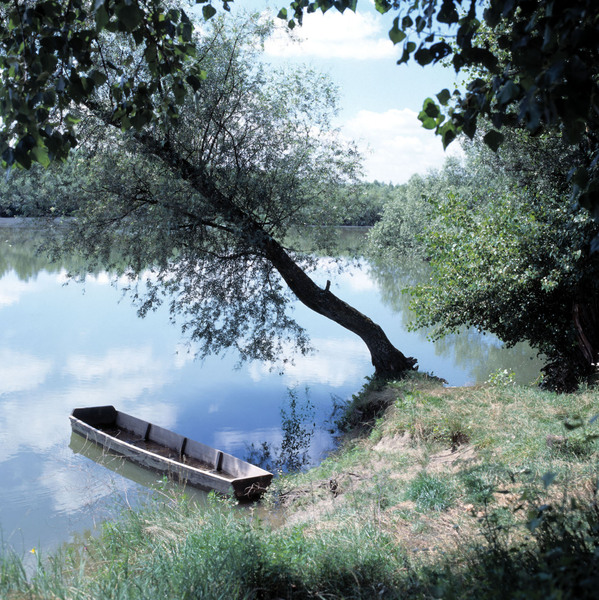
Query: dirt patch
x=450, y=458
x=395, y=443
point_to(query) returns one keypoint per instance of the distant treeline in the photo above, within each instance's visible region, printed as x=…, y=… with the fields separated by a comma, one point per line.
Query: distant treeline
x=60, y=189
x=40, y=192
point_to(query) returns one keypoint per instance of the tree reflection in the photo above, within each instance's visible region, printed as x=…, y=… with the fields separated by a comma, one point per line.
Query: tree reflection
x=20, y=252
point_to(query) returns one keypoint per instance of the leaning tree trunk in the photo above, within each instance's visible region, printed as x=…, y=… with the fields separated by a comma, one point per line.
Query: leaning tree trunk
x=388, y=361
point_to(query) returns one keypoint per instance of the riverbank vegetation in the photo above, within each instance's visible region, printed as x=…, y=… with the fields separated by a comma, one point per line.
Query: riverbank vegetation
x=507, y=252
x=485, y=492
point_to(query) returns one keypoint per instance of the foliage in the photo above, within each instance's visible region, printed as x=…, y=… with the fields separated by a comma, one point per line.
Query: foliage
x=539, y=71
x=207, y=199
x=55, y=191
x=407, y=212
x=512, y=267
x=209, y=191
x=505, y=253
x=56, y=55
x=367, y=205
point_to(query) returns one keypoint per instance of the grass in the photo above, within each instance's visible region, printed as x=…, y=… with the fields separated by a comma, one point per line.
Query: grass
x=436, y=492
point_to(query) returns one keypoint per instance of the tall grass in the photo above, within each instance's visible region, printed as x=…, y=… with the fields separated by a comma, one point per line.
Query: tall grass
x=174, y=551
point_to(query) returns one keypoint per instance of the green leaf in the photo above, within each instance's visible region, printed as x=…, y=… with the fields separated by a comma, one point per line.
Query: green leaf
x=99, y=77
x=508, y=92
x=8, y=157
x=282, y=14
x=443, y=96
x=130, y=16
x=194, y=81
x=447, y=133
x=208, y=11
x=396, y=35
x=102, y=18
x=408, y=48
x=41, y=156
x=382, y=6
x=430, y=108
x=423, y=56
x=427, y=122
x=448, y=13
x=72, y=120
x=493, y=139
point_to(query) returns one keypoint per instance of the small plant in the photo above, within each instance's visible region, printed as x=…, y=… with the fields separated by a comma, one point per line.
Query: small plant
x=480, y=483
x=431, y=492
x=502, y=378
x=580, y=441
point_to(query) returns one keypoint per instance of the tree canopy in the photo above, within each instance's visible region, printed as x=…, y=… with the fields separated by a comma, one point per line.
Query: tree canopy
x=538, y=70
x=505, y=253
x=202, y=203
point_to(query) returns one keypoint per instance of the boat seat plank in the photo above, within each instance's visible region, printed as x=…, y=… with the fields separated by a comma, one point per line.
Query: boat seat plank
x=97, y=416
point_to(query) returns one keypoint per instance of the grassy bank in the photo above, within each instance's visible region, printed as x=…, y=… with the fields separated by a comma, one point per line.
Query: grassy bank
x=484, y=492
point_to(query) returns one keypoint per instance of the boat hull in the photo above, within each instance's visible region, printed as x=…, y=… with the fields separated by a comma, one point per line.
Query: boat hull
x=169, y=453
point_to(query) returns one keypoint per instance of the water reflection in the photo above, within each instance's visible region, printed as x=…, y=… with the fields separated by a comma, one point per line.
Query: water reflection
x=124, y=468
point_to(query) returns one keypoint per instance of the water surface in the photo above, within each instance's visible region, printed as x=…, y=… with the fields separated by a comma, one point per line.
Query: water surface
x=64, y=346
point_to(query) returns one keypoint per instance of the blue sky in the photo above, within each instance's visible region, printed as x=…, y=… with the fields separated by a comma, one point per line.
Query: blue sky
x=380, y=100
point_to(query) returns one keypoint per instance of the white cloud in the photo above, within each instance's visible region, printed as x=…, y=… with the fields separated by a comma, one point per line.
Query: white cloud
x=116, y=362
x=12, y=290
x=395, y=144
x=231, y=440
x=335, y=364
x=352, y=36
x=20, y=372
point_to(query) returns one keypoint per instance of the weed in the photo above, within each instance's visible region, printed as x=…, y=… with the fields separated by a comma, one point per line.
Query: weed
x=502, y=378
x=431, y=492
x=480, y=483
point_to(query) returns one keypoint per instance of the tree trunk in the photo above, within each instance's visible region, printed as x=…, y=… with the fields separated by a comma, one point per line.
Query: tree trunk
x=387, y=360
x=586, y=322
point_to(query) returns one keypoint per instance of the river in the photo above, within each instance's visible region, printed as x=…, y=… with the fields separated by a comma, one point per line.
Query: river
x=65, y=345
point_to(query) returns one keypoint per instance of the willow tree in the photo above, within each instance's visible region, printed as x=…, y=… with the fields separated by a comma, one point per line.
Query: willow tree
x=204, y=200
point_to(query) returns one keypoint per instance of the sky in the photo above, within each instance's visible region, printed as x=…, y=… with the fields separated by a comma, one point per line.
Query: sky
x=379, y=100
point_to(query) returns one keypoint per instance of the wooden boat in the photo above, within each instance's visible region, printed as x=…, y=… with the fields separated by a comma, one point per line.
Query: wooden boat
x=167, y=452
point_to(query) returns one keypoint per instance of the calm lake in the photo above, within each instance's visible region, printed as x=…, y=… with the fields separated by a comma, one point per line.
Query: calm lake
x=68, y=345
